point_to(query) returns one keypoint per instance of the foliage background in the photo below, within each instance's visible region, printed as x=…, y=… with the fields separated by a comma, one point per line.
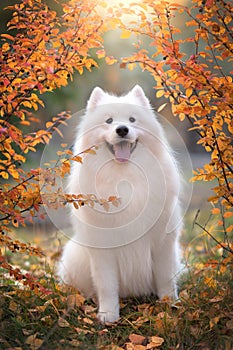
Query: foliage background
x=32, y=302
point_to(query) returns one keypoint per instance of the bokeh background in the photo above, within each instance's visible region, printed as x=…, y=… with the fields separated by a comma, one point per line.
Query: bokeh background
x=119, y=81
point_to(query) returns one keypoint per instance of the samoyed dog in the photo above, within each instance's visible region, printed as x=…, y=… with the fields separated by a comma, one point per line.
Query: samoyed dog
x=131, y=249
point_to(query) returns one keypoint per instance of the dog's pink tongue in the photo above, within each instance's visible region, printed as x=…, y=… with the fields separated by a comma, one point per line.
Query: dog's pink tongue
x=122, y=151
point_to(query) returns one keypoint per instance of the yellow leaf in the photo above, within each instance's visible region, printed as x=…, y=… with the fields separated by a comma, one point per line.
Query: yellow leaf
x=27, y=104
x=188, y=92
x=159, y=93
x=125, y=34
x=14, y=173
x=210, y=282
x=4, y=174
x=131, y=66
x=182, y=116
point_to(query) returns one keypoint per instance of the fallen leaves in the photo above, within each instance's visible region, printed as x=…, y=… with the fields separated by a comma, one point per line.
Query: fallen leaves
x=75, y=300
x=139, y=342
x=136, y=339
x=155, y=342
x=65, y=319
x=34, y=342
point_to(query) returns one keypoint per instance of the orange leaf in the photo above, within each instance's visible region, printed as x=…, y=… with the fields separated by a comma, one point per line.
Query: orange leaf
x=229, y=229
x=228, y=214
x=15, y=222
x=58, y=131
x=215, y=211
x=77, y=159
x=7, y=36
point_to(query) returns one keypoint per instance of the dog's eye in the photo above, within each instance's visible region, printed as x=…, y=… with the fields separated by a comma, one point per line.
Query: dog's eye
x=132, y=119
x=109, y=121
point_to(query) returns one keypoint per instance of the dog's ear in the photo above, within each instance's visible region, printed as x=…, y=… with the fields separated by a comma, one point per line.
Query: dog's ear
x=139, y=94
x=95, y=98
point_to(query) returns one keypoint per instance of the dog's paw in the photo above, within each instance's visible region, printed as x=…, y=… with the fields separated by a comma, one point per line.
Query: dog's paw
x=108, y=316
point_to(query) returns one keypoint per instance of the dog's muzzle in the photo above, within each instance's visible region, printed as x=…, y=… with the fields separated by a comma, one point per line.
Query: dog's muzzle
x=122, y=150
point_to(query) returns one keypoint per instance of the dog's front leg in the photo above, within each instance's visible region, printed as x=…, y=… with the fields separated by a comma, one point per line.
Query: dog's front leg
x=105, y=279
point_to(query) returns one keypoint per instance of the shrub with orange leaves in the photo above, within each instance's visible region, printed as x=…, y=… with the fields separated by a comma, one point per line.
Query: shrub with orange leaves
x=40, y=52
x=198, y=84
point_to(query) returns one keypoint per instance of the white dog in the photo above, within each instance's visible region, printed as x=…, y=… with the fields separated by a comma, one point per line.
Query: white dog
x=130, y=250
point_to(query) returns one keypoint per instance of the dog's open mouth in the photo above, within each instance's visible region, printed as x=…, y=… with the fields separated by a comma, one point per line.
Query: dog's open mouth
x=122, y=150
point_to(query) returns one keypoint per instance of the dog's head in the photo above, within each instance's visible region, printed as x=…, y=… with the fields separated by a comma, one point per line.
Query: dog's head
x=121, y=121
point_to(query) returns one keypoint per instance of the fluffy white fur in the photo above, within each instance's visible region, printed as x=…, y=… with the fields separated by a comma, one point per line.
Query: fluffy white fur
x=132, y=249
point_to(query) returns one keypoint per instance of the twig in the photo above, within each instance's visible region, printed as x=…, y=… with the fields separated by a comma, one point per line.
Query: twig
x=228, y=249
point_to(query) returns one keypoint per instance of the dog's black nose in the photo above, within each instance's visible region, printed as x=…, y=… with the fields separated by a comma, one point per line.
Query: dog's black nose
x=122, y=130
